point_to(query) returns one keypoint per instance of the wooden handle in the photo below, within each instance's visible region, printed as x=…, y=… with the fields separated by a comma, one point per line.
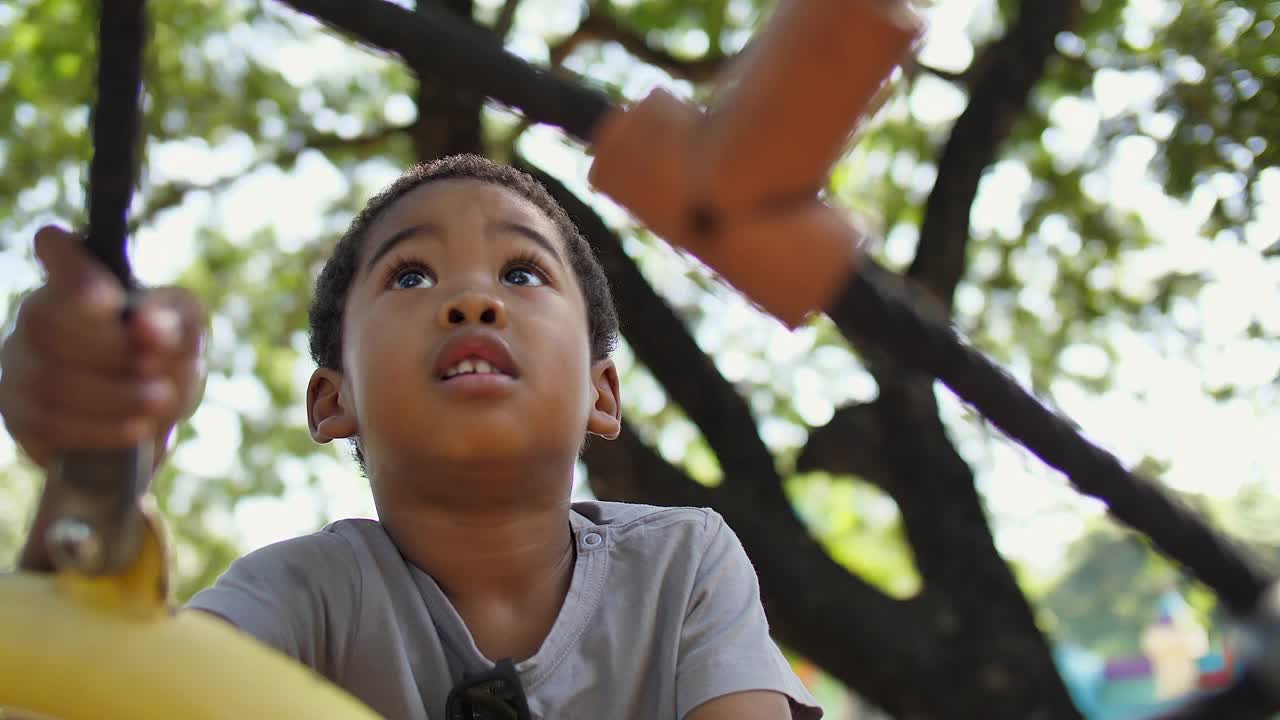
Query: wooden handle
x=791, y=260
x=738, y=187
x=793, y=101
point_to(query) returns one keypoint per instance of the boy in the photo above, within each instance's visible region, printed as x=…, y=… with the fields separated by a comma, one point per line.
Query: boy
x=462, y=332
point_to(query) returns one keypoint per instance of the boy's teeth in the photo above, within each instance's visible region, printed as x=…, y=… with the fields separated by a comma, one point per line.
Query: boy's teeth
x=470, y=367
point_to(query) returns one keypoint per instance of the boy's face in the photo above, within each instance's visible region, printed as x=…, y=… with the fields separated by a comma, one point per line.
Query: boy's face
x=465, y=338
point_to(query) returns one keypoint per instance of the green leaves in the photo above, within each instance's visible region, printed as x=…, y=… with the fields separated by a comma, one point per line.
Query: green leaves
x=860, y=527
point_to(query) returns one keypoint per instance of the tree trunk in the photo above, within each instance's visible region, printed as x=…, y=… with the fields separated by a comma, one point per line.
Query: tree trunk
x=448, y=115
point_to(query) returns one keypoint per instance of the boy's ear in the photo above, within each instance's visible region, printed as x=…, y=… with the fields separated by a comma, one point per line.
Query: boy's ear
x=327, y=414
x=606, y=412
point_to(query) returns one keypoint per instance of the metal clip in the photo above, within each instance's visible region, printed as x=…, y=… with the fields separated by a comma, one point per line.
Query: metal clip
x=97, y=526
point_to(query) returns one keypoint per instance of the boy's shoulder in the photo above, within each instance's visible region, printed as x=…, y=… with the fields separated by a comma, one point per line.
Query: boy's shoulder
x=648, y=531
x=299, y=561
x=625, y=521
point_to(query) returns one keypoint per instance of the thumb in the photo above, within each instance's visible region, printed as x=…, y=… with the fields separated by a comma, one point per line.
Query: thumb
x=70, y=268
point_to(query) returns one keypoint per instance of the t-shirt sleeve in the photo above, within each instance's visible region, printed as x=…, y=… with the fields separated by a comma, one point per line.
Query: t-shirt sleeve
x=299, y=596
x=725, y=645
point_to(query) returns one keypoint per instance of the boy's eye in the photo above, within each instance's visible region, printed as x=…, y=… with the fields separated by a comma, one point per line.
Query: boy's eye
x=409, y=278
x=522, y=276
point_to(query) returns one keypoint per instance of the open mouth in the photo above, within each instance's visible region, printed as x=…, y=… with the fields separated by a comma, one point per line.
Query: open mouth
x=478, y=356
x=473, y=366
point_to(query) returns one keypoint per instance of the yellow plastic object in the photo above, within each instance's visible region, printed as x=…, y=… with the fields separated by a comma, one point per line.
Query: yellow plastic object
x=81, y=648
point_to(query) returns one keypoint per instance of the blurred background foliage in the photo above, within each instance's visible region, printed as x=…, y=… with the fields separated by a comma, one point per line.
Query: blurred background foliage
x=1114, y=261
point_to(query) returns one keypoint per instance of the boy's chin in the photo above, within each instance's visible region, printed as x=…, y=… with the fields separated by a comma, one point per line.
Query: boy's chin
x=463, y=447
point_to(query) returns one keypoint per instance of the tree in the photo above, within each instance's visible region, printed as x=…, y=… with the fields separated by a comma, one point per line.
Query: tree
x=712, y=427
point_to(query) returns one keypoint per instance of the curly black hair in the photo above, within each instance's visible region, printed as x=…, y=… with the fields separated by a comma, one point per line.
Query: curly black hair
x=325, y=314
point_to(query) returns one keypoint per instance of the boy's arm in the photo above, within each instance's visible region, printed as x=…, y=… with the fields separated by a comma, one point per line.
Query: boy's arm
x=748, y=705
x=299, y=596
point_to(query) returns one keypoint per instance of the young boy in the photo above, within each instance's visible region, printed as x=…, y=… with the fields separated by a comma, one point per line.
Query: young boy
x=462, y=330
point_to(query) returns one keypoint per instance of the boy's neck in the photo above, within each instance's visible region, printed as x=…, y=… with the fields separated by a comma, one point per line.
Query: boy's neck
x=505, y=566
x=484, y=553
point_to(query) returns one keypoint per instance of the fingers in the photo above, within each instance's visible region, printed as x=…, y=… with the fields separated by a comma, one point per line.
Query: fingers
x=184, y=363
x=69, y=391
x=78, y=317
x=81, y=373
x=48, y=418
x=43, y=432
x=75, y=317
x=66, y=332
x=72, y=271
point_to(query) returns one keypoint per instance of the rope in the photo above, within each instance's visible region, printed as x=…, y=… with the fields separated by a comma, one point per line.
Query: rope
x=98, y=527
x=116, y=128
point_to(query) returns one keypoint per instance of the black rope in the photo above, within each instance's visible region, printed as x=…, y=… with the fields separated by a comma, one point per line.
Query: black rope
x=94, y=492
x=876, y=307
x=473, y=60
x=116, y=128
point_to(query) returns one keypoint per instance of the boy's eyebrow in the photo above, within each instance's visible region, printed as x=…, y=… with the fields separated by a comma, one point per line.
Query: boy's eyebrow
x=430, y=230
x=528, y=232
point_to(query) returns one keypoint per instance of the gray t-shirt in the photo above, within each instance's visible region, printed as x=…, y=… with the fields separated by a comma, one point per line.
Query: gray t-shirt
x=663, y=613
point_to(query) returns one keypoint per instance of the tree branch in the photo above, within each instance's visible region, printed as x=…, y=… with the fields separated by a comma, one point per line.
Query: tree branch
x=872, y=306
x=998, y=100
x=914, y=66
x=978, y=68
x=850, y=444
x=628, y=470
x=506, y=19
x=432, y=38
x=898, y=444
x=448, y=113
x=171, y=195
x=820, y=609
x=168, y=196
x=602, y=27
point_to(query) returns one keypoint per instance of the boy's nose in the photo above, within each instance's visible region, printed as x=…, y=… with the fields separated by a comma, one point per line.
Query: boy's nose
x=473, y=307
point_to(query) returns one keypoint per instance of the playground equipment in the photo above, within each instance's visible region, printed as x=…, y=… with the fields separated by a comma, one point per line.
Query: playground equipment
x=94, y=639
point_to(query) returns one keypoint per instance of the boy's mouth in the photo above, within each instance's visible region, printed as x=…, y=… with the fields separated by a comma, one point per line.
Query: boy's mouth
x=474, y=353
x=472, y=366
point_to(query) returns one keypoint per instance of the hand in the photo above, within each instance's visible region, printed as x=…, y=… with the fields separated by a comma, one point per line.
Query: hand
x=77, y=375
